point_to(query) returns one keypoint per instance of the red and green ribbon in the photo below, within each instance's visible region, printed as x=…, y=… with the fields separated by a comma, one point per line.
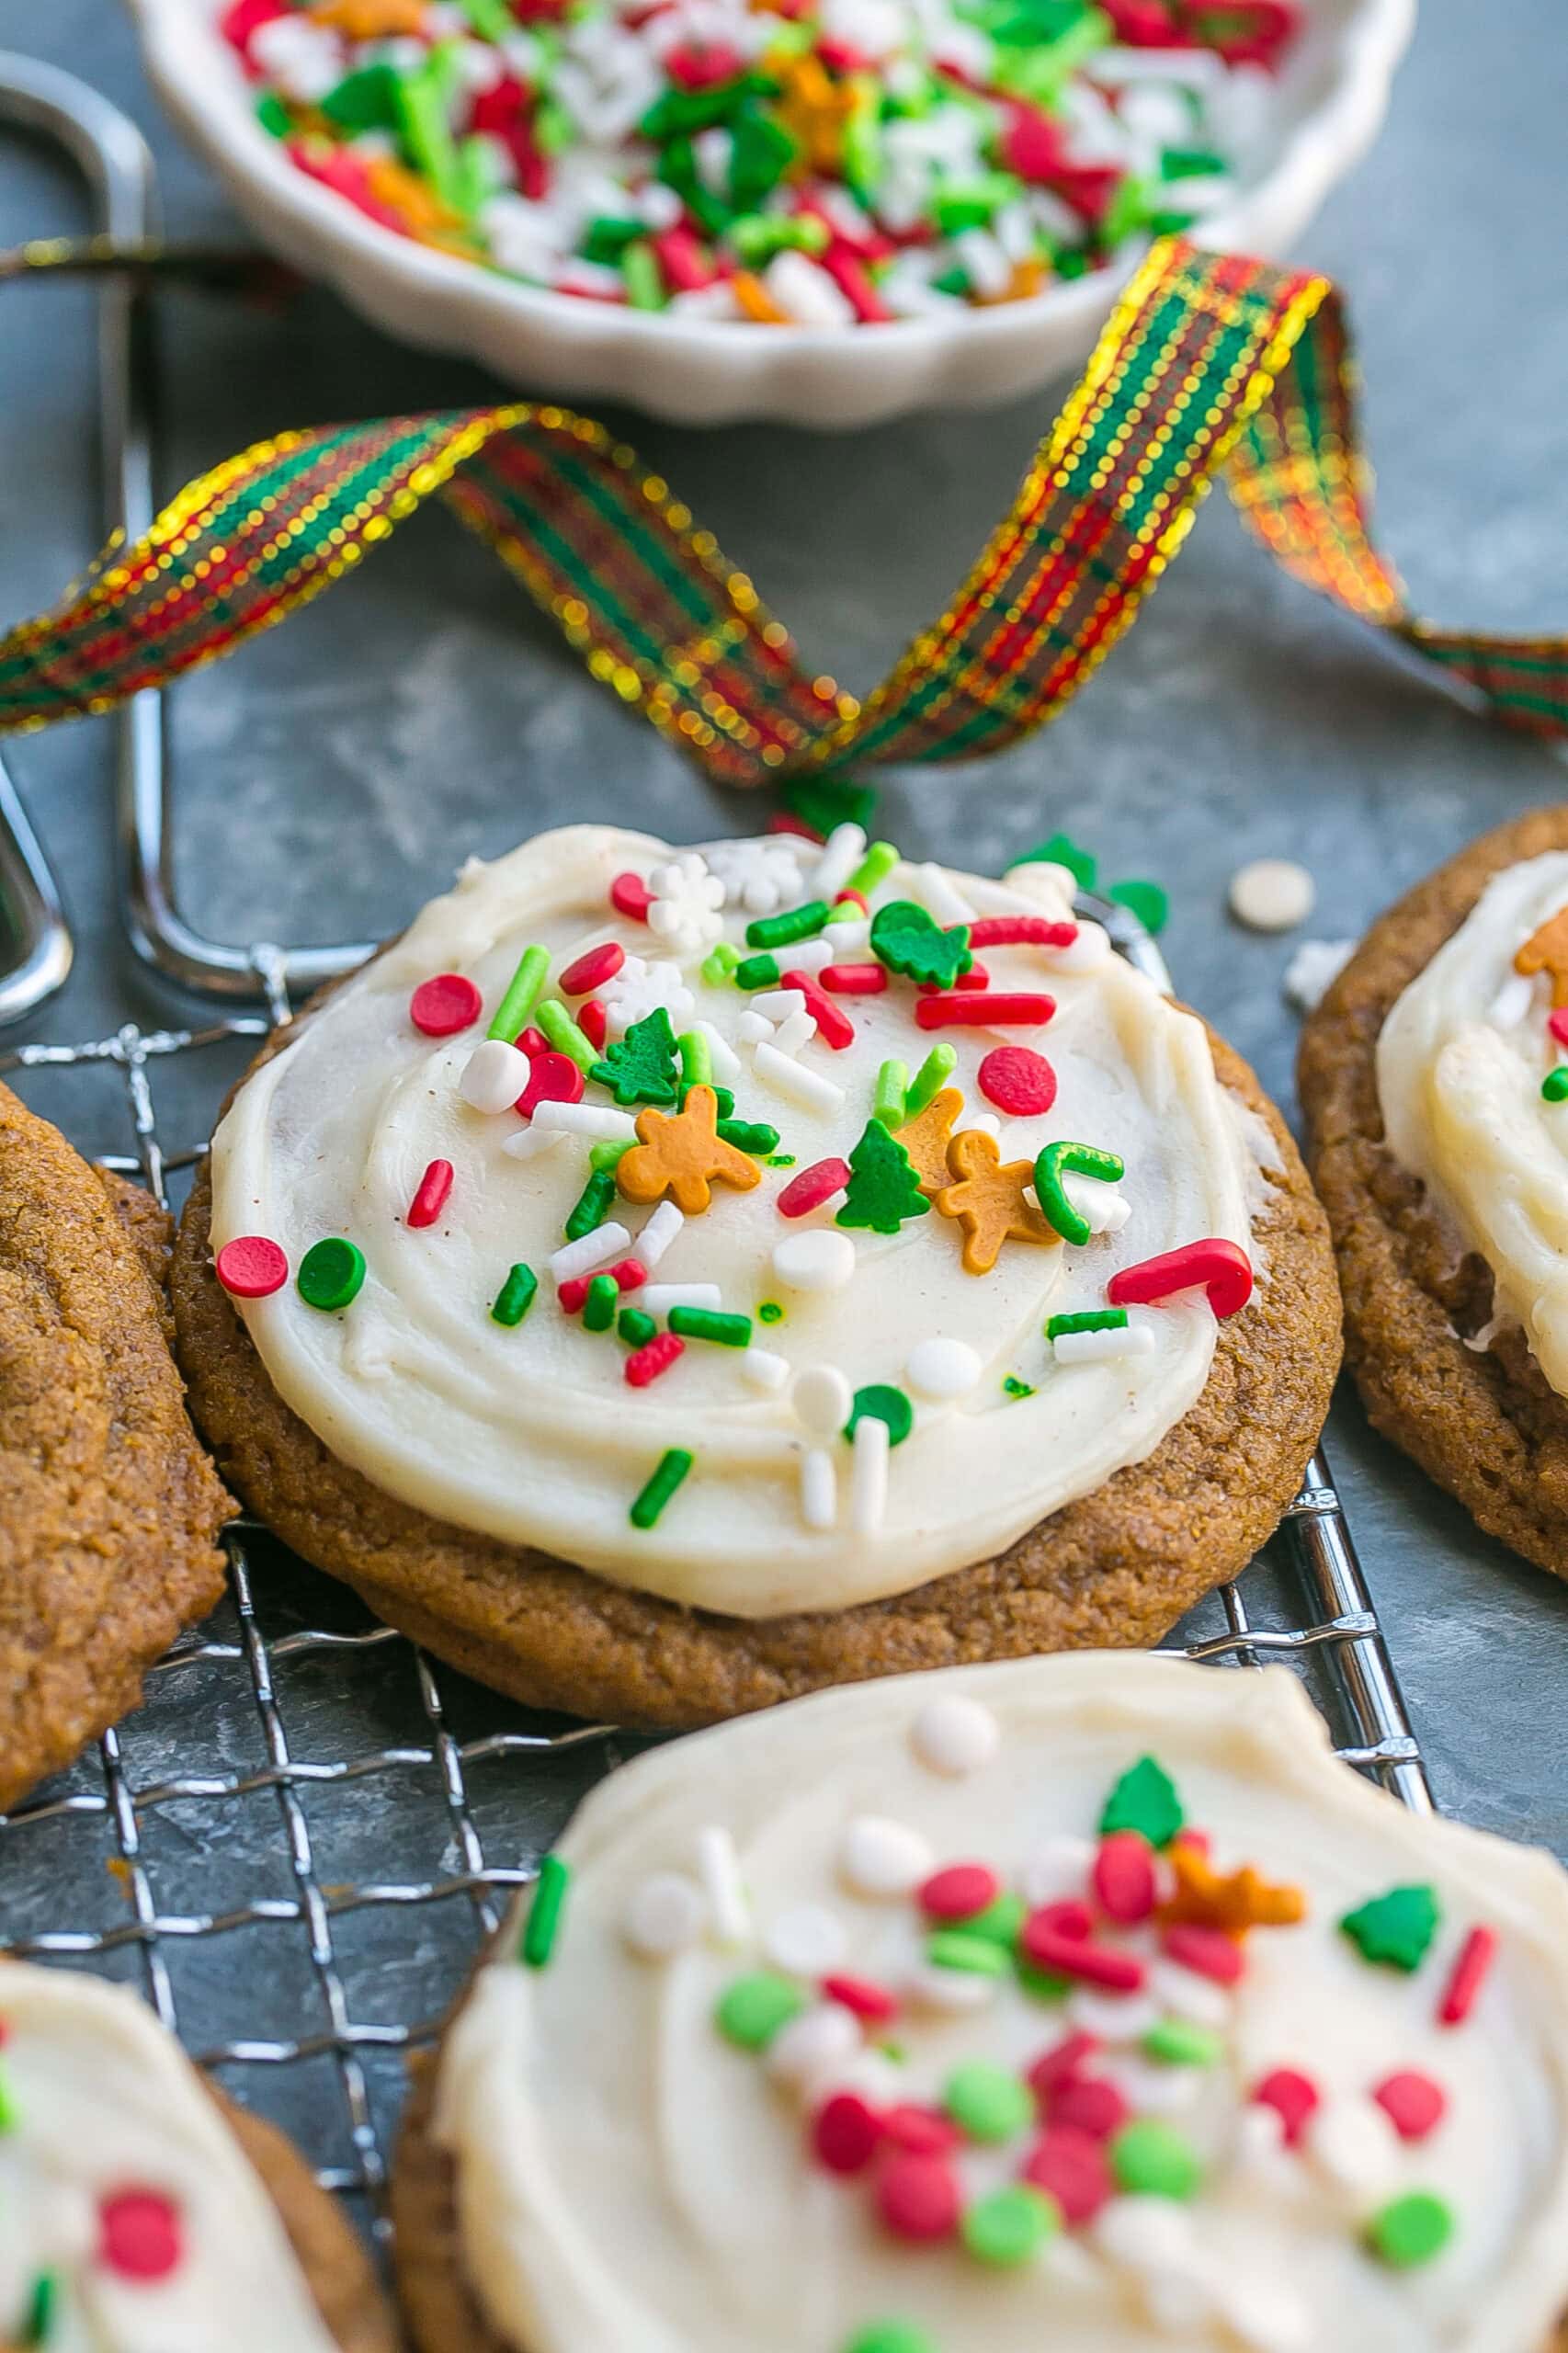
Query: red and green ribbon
x=1211, y=364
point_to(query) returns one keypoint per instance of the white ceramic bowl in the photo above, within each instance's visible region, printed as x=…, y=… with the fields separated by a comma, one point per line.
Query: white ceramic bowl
x=1333, y=94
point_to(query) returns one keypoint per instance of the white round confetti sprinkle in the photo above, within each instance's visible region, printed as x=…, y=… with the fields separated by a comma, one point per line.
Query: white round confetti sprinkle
x=822, y=1398
x=1151, y=2236
x=1183, y=1994
x=1057, y=1867
x=954, y=1737
x=882, y=1859
x=1112, y=2017
x=1314, y=969
x=807, y=1940
x=1263, y=2313
x=667, y=1914
x=494, y=1076
x=953, y=1992
x=820, y=2043
x=1272, y=894
x=1353, y=2143
x=1155, y=2090
x=942, y=1369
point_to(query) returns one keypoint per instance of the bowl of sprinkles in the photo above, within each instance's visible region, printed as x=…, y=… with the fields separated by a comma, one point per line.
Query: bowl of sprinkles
x=921, y=201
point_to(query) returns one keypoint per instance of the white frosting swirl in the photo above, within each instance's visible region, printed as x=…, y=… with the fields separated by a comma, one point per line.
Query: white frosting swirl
x=532, y=1434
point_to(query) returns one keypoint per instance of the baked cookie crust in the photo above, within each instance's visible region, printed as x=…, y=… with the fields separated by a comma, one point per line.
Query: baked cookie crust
x=1483, y=1422
x=1116, y=1568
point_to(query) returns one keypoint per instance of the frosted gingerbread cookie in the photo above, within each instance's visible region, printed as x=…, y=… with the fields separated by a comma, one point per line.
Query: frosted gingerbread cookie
x=668, y=1283
x=1434, y=1076
x=141, y=2211
x=1085, y=2002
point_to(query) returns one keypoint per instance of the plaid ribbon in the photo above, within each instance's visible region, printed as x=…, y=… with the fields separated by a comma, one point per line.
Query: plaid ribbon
x=1210, y=364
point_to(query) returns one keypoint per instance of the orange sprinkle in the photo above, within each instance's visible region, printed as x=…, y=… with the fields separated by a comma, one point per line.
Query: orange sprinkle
x=1028, y=279
x=1206, y=1898
x=755, y=300
x=370, y=20
x=1546, y=950
x=813, y=108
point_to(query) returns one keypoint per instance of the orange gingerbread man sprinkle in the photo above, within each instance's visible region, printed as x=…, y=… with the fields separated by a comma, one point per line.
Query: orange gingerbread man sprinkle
x=1235, y=1902
x=371, y=20
x=683, y=1155
x=988, y=1200
x=1546, y=950
x=926, y=1139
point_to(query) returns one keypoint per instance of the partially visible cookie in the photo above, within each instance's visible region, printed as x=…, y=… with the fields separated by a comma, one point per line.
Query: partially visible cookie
x=111, y=1511
x=139, y=2209
x=1444, y=1170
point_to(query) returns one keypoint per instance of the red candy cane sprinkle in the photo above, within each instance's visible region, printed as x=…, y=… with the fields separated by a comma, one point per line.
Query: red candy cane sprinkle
x=1018, y=1081
x=1072, y=2168
x=1208, y=1953
x=593, y=969
x=139, y=2236
x=1413, y=2103
x=834, y=1026
x=431, y=1196
x=594, y=1022
x=1221, y=1267
x=251, y=1267
x=553, y=1078
x=1022, y=931
x=443, y=1005
x=654, y=1356
x=814, y=1186
x=631, y=896
x=846, y=2131
x=1123, y=1877
x=854, y=979
x=1294, y=2097
x=959, y=1891
x=1068, y=1916
x=921, y=2131
x=1080, y=1958
x=918, y=2198
x=1061, y=2064
x=982, y=1009
x=862, y=1998
x=1468, y=1975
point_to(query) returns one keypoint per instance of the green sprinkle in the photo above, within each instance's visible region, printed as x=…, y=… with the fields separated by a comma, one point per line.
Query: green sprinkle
x=1554, y=1085
x=1181, y=2045
x=565, y=1035
x=824, y=802
x=719, y=962
x=523, y=993
x=1144, y=1799
x=907, y=938
x=642, y=278
x=875, y=866
x=592, y=1205
x=1078, y=1159
x=1043, y=1983
x=934, y=1072
x=757, y=236
x=844, y=911
x=672, y=1467
x=608, y=234
x=636, y=1327
x=491, y=19
x=599, y=1306
x=363, y=101
x=781, y=1160
x=749, y=1135
x=752, y=2010
x=273, y=114
x=1014, y=1387
x=1145, y=899
x=1396, y=1929
x=603, y=1158
x=515, y=1295
x=891, y=1095
x=881, y=1402
x=1153, y=2160
x=770, y=1311
x=723, y=1101
x=710, y=1324
x=543, y=1926
x=757, y=972
x=783, y=930
x=1410, y=2230
x=1061, y=850
x=1091, y=1319
x=43, y=2302
x=641, y=1067
x=1000, y=1921
x=1191, y=164
x=1010, y=2225
x=956, y=1948
x=330, y=1274
x=695, y=1058
x=10, y=2115
x=891, y=2336
x=987, y=2102
x=971, y=204
x=883, y=1189
x=426, y=133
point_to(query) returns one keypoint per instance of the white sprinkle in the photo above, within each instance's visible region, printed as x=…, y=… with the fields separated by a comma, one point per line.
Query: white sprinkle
x=819, y=1488
x=868, y=1475
x=841, y=854
x=1102, y=1207
x=821, y=1399
x=1084, y=954
x=494, y=1076
x=1263, y=2313
x=797, y=1032
x=763, y=1370
x=1312, y=971
x=804, y=291
x=720, y=1868
x=665, y=1915
x=807, y=1087
x=807, y=1940
x=953, y=1990
x=952, y=1736
x=1272, y=894
x=1128, y=1339
x=1152, y=2237
x=884, y=1859
x=1513, y=1002
x=942, y=1369
x=754, y=1029
x=1353, y=2143
x=1057, y=1867
x=847, y=940
x=726, y=1062
x=778, y=1004
x=595, y=1119
x=1155, y=2090
x=942, y=895
x=659, y=1232
x=817, y=2044
x=819, y=1258
x=1112, y=2017
x=984, y=1123
x=1185, y=1995
x=528, y=1143
x=807, y=955
x=657, y=1299
x=591, y=1250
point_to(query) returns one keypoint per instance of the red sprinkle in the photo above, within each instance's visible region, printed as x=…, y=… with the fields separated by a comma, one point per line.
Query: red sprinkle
x=873, y=2003
x=1557, y=1022
x=1222, y=1268
x=921, y=2131
x=1017, y=1080
x=532, y=1042
x=813, y=1186
x=630, y=1274
x=982, y=1009
x=251, y=1267
x=1294, y=2097
x=854, y=979
x=594, y=1022
x=703, y=65
x=631, y=896
x=444, y=1005
x=657, y=1356
x=1208, y=1952
x=1470, y=1973
x=849, y=273
x=918, y=2198
x=1022, y=931
x=1123, y=1877
x=781, y=822
x=553, y=1078
x=977, y=977
x=848, y=898
x=1072, y=2168
x=1068, y=1916
x=139, y=2234
x=681, y=258
x=1061, y=2064
x=1413, y=2103
x=833, y=1025
x=959, y=1891
x=592, y=970
x=1090, y=2104
x=845, y=2133
x=1080, y=1957
x=430, y=1199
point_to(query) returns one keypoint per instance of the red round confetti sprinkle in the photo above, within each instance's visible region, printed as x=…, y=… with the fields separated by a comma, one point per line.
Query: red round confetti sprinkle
x=920, y=2132
x=1072, y=2168
x=654, y=1356
x=834, y=1026
x=918, y=2198
x=430, y=1199
x=1293, y=2096
x=1080, y=1957
x=813, y=1186
x=1059, y=2066
x=630, y=895
x=532, y=1042
x=854, y=979
x=1068, y=1916
x=593, y=969
x=848, y=898
x=553, y=1078
x=1413, y=2103
x=1470, y=1973
x=1207, y=1951
x=251, y=1267
x=443, y=1005
x=594, y=1022
x=845, y=2133
x=1222, y=1268
x=1018, y=1081
x=859, y=1995
x=1123, y=1877
x=1020, y=931
x=984, y=1009
x=1091, y=2104
x=959, y=1891
x=139, y=2234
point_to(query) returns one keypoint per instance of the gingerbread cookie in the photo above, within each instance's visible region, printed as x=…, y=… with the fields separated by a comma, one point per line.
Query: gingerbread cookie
x=111, y=1508
x=1431, y=1078
x=1068, y=2002
x=702, y=1332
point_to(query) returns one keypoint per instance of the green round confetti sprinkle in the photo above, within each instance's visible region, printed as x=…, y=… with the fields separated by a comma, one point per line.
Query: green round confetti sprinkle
x=1396, y=1929
x=1181, y=2045
x=1010, y=2225
x=1061, y=850
x=1410, y=2230
x=1042, y=1984
x=1000, y=1922
x=879, y=1401
x=754, y=2009
x=1554, y=1085
x=1145, y=899
x=543, y=1926
x=987, y=2102
x=330, y=1274
x=1153, y=2160
x=891, y=2336
x=955, y=1948
x=1144, y=1799
x=770, y=1311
